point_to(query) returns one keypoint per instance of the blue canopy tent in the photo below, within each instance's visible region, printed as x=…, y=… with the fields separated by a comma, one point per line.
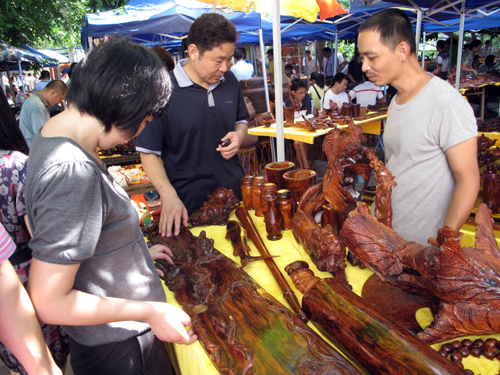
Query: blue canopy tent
x=157, y=22
x=47, y=60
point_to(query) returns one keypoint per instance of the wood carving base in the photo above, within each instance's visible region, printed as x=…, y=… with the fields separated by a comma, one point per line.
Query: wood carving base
x=398, y=306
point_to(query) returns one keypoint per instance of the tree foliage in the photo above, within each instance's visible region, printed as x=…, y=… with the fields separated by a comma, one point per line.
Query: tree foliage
x=48, y=23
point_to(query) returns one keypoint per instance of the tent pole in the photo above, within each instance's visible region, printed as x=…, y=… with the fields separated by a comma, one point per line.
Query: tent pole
x=306, y=66
x=278, y=81
x=460, y=44
x=266, y=87
x=451, y=50
x=423, y=53
x=298, y=52
x=316, y=56
x=21, y=75
x=214, y=6
x=336, y=63
x=418, y=30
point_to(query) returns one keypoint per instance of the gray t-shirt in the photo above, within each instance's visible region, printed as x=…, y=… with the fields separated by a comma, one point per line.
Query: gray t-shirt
x=80, y=215
x=416, y=136
x=34, y=114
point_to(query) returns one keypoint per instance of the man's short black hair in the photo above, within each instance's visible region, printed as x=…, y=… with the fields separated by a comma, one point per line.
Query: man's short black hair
x=45, y=74
x=440, y=44
x=327, y=49
x=58, y=85
x=238, y=54
x=297, y=83
x=307, y=51
x=210, y=31
x=490, y=59
x=120, y=83
x=288, y=66
x=394, y=27
x=338, y=78
x=474, y=44
x=432, y=66
x=270, y=51
x=487, y=42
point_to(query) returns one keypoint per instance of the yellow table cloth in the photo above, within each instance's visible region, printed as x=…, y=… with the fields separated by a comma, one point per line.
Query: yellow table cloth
x=370, y=126
x=193, y=360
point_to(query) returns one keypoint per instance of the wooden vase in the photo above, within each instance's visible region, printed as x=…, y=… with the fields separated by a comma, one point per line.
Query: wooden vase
x=256, y=192
x=273, y=220
x=285, y=207
x=298, y=182
x=491, y=192
x=268, y=190
x=275, y=172
x=289, y=115
x=246, y=191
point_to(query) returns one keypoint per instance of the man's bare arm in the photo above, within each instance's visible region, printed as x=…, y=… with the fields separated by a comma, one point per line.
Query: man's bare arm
x=463, y=162
x=173, y=211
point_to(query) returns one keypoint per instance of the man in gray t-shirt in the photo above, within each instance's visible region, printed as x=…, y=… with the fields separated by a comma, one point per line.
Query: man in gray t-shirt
x=430, y=134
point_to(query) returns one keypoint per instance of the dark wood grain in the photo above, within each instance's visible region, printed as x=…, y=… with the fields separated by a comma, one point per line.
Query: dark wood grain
x=253, y=233
x=381, y=346
x=216, y=209
x=243, y=329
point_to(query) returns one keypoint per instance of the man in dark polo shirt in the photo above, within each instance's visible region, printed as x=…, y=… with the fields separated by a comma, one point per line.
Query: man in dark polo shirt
x=206, y=109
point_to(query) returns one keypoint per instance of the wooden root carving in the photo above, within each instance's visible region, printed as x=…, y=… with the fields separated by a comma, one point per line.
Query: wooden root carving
x=215, y=210
x=466, y=280
x=243, y=329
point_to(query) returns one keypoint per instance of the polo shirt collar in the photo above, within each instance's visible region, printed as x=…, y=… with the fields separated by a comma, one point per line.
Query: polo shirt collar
x=183, y=79
x=42, y=99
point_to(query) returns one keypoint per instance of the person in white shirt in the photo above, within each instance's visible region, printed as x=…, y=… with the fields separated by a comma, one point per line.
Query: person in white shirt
x=486, y=50
x=317, y=89
x=433, y=69
x=366, y=93
x=337, y=92
x=311, y=62
x=30, y=81
x=241, y=69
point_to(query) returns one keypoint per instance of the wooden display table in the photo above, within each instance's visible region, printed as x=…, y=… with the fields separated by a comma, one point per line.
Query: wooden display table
x=370, y=126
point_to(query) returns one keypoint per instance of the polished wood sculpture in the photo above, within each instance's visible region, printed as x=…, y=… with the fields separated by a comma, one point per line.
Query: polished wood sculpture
x=216, y=210
x=484, y=143
x=491, y=191
x=465, y=279
x=238, y=237
x=248, y=224
x=385, y=183
x=243, y=329
x=378, y=344
x=346, y=158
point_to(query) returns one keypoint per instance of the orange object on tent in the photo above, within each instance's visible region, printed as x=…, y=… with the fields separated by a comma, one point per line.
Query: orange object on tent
x=305, y=9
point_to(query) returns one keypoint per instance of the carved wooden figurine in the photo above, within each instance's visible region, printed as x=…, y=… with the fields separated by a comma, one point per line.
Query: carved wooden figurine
x=273, y=220
x=216, y=210
x=238, y=237
x=378, y=344
x=243, y=329
x=465, y=279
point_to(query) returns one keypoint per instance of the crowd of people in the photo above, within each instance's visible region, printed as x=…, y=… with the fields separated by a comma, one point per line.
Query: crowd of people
x=70, y=229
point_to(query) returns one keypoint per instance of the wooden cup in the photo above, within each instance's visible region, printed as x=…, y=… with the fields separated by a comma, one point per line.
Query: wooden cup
x=275, y=172
x=298, y=182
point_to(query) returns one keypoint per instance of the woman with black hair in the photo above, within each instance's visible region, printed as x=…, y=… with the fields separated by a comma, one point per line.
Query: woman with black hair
x=317, y=90
x=298, y=89
x=92, y=271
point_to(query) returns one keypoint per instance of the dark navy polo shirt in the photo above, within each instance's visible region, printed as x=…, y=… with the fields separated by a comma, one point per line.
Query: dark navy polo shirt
x=187, y=135
x=307, y=104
